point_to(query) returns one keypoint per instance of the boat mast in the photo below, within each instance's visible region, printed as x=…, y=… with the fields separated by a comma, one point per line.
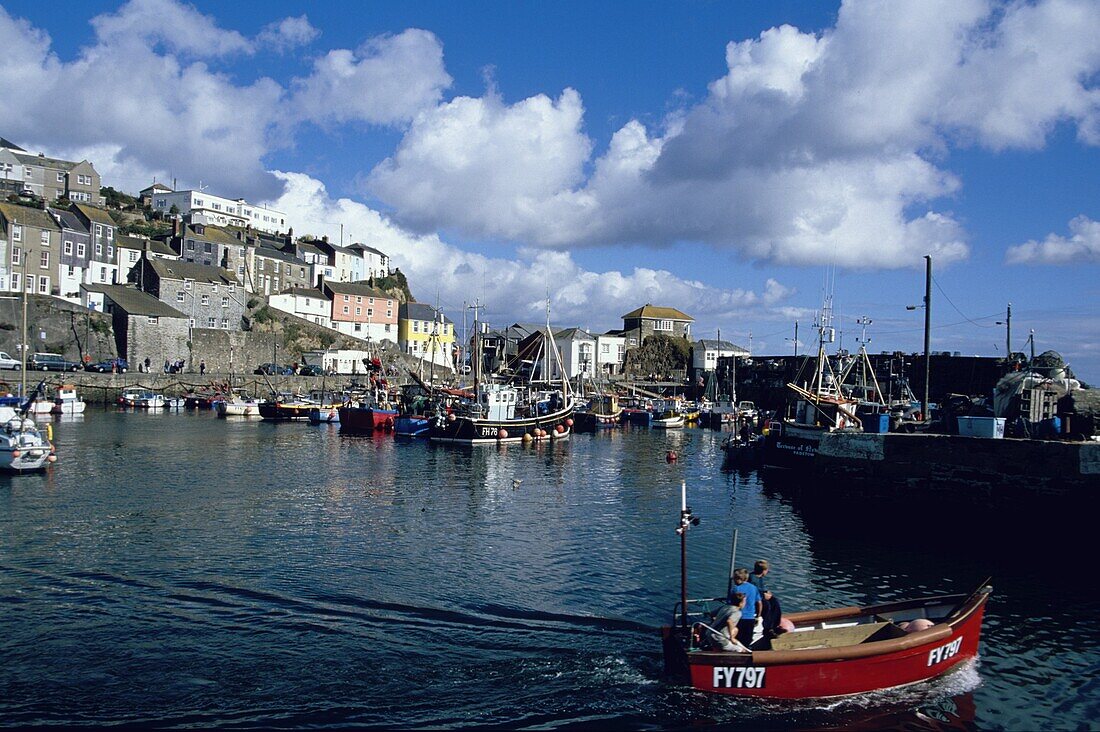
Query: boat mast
x=23, y=285
x=686, y=522
x=475, y=357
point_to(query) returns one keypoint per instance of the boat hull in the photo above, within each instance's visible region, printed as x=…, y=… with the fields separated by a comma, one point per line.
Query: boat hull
x=277, y=412
x=366, y=419
x=324, y=416
x=791, y=447
x=472, y=431
x=410, y=426
x=832, y=672
x=237, y=409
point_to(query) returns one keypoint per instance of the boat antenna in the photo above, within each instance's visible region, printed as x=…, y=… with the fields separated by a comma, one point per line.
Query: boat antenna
x=733, y=563
x=687, y=520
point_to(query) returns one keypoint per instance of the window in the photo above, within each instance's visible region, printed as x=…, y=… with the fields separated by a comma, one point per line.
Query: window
x=16, y=255
x=153, y=320
x=225, y=302
x=346, y=299
x=662, y=325
x=187, y=284
x=98, y=230
x=389, y=313
x=371, y=301
x=45, y=238
x=16, y=233
x=261, y=265
x=30, y=283
x=15, y=282
x=387, y=327
x=72, y=271
x=416, y=326
x=211, y=322
x=84, y=180
x=44, y=285
x=360, y=299
x=190, y=322
x=633, y=341
x=110, y=234
x=358, y=311
x=162, y=202
x=605, y=348
x=179, y=295
x=102, y=274
x=240, y=251
x=205, y=300
x=207, y=247
x=214, y=288
x=345, y=310
x=217, y=207
x=60, y=177
x=110, y=252
x=133, y=256
x=191, y=244
x=198, y=201
x=80, y=249
x=98, y=249
x=44, y=260
x=68, y=247
x=225, y=323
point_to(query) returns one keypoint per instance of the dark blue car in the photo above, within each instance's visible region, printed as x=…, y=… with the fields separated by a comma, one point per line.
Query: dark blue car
x=115, y=365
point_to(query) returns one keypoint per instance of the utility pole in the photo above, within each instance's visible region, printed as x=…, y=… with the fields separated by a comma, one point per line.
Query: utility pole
x=1008, y=332
x=927, y=332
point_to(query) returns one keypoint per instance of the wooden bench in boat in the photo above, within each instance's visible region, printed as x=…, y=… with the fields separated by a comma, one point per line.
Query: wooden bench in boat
x=837, y=637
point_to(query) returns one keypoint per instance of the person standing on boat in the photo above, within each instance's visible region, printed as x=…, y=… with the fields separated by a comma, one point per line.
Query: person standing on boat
x=772, y=613
x=753, y=607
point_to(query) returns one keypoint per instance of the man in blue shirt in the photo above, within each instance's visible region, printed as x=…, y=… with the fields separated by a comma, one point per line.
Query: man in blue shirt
x=746, y=626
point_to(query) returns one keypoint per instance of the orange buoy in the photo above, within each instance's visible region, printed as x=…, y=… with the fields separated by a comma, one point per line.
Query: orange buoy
x=560, y=429
x=569, y=421
x=502, y=434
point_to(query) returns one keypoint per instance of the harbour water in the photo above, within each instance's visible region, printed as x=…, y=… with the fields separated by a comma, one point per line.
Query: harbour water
x=176, y=569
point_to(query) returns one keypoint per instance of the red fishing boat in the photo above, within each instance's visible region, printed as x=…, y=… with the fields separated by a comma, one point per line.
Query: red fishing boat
x=825, y=653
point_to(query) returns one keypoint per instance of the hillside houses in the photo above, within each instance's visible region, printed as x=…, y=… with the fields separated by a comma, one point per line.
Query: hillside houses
x=50, y=179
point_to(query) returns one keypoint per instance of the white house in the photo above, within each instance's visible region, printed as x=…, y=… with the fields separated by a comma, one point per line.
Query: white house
x=206, y=208
x=610, y=353
x=375, y=263
x=345, y=361
x=308, y=304
x=578, y=351
x=705, y=354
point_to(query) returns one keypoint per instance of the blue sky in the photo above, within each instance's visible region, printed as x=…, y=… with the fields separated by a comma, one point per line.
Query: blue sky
x=715, y=157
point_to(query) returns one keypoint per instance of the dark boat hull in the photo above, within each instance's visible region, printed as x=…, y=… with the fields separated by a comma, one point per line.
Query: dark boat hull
x=366, y=419
x=410, y=426
x=468, y=430
x=276, y=412
x=791, y=448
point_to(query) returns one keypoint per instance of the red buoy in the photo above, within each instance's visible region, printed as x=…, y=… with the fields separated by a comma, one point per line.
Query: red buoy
x=671, y=457
x=502, y=434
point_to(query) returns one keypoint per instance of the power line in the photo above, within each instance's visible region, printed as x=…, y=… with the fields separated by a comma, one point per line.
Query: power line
x=960, y=312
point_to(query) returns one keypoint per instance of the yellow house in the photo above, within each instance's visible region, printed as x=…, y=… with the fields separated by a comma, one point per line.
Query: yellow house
x=426, y=333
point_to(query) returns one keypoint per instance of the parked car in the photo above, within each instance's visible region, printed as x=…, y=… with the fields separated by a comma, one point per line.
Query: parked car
x=7, y=362
x=52, y=362
x=117, y=365
x=273, y=369
x=311, y=371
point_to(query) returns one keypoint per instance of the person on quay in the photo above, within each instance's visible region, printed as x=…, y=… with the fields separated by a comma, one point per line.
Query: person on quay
x=752, y=608
x=771, y=613
x=202, y=367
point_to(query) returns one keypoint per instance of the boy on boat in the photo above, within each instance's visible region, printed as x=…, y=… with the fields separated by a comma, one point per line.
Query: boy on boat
x=771, y=612
x=753, y=605
x=722, y=636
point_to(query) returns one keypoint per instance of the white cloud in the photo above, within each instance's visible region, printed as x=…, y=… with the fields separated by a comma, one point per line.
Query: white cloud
x=177, y=26
x=490, y=168
x=288, y=34
x=515, y=289
x=149, y=89
x=387, y=80
x=1082, y=246
x=811, y=149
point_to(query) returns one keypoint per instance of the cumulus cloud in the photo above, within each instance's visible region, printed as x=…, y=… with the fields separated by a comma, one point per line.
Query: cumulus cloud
x=1082, y=246
x=812, y=148
x=386, y=80
x=288, y=34
x=151, y=90
x=596, y=300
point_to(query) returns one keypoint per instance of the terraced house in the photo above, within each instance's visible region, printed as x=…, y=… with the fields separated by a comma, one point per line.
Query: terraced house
x=360, y=311
x=426, y=333
x=29, y=243
x=102, y=230
x=51, y=179
x=75, y=256
x=210, y=297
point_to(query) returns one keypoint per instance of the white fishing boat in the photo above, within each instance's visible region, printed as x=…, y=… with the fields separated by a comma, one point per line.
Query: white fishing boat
x=668, y=421
x=149, y=400
x=22, y=447
x=67, y=401
x=129, y=396
x=238, y=406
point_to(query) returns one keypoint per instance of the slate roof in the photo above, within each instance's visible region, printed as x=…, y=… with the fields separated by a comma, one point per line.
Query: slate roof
x=653, y=312
x=69, y=220
x=571, y=333
x=356, y=288
x=41, y=160
x=419, y=311
x=28, y=216
x=5, y=142
x=154, y=188
x=720, y=345
x=272, y=253
x=135, y=302
x=93, y=213
x=169, y=269
x=305, y=292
